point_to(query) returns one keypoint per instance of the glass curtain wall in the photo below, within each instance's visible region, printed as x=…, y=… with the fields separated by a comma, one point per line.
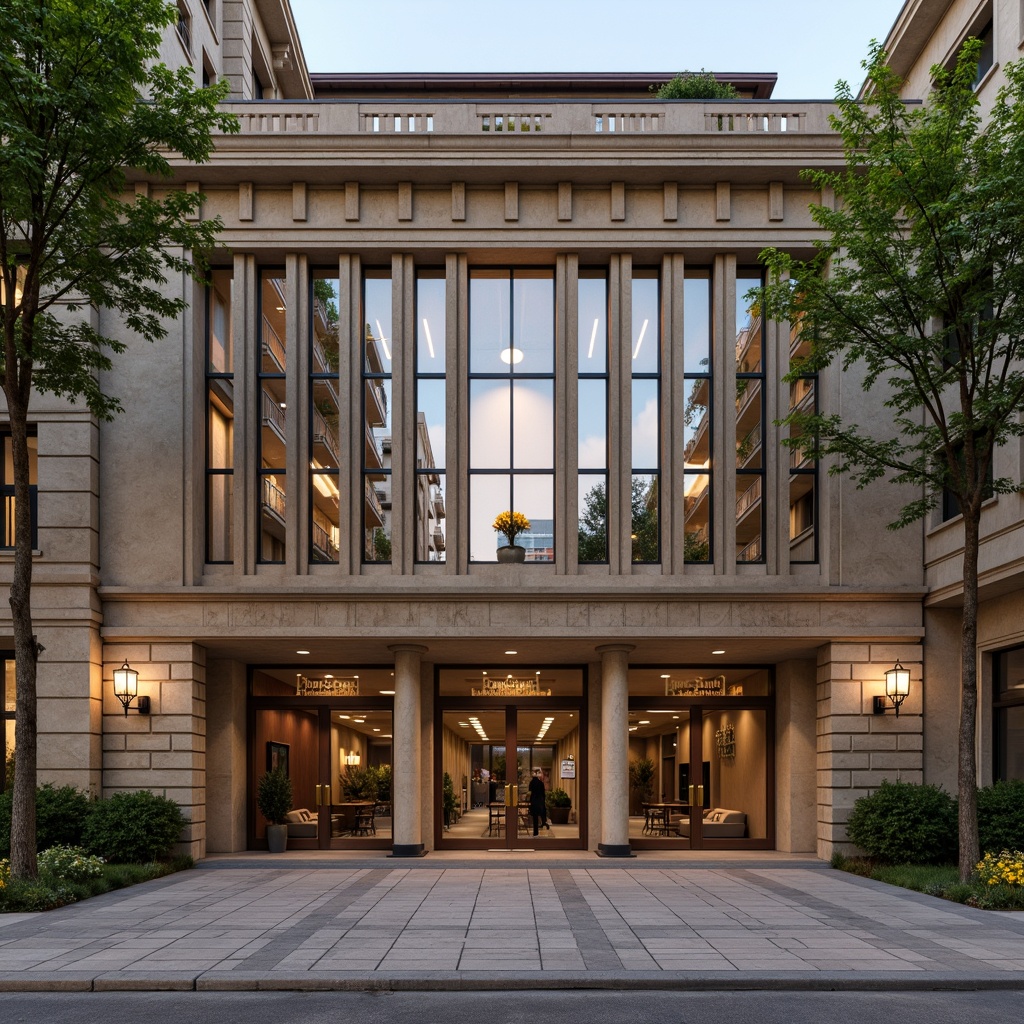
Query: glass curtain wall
x=592, y=416
x=273, y=488
x=698, y=494
x=324, y=408
x=511, y=409
x=377, y=352
x=646, y=433
x=220, y=417
x=431, y=420
x=750, y=482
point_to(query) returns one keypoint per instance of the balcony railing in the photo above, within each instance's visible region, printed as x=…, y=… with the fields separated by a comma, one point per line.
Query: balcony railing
x=274, y=416
x=519, y=121
x=748, y=498
x=274, y=499
x=322, y=542
x=750, y=553
x=273, y=346
x=322, y=434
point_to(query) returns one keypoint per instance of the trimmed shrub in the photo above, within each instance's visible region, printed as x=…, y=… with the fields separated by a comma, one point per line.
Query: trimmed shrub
x=905, y=823
x=61, y=814
x=69, y=863
x=1001, y=816
x=132, y=828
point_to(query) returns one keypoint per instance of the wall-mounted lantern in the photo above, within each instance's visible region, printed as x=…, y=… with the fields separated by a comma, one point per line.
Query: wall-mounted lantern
x=352, y=759
x=897, y=687
x=126, y=689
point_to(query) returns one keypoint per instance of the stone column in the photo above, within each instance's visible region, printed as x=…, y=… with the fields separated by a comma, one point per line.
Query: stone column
x=614, y=751
x=406, y=816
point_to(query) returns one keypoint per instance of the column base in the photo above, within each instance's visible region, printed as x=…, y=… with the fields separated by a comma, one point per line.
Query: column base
x=408, y=850
x=605, y=850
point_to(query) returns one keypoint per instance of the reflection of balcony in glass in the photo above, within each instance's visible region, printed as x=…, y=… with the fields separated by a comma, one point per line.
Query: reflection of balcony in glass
x=748, y=346
x=325, y=436
x=539, y=540
x=323, y=533
x=274, y=437
x=376, y=403
x=274, y=500
x=273, y=349
x=372, y=454
x=374, y=514
x=429, y=497
x=748, y=499
x=748, y=450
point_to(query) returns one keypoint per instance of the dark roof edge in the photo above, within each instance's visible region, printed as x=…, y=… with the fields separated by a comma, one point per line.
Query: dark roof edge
x=760, y=84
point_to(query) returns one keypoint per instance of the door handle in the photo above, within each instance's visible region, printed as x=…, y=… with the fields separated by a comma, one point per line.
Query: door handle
x=509, y=798
x=700, y=795
x=690, y=792
x=327, y=795
x=319, y=796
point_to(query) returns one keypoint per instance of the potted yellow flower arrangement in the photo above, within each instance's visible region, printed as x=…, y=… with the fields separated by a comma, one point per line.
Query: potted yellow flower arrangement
x=511, y=524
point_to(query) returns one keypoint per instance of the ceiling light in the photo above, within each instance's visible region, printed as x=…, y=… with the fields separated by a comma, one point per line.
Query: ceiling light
x=511, y=356
x=345, y=716
x=593, y=338
x=430, y=340
x=640, y=340
x=302, y=652
x=507, y=652
x=645, y=721
x=666, y=676
x=376, y=730
x=718, y=652
x=384, y=341
x=387, y=693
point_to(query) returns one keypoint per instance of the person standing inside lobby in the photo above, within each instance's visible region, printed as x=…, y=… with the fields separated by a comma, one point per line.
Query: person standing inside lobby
x=538, y=805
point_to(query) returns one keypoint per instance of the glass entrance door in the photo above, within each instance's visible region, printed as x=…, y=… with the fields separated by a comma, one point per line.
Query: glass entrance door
x=497, y=732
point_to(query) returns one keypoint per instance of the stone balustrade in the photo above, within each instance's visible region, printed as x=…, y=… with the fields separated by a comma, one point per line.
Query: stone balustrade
x=517, y=119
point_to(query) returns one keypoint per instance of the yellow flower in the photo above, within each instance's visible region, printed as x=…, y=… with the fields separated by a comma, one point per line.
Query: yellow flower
x=511, y=524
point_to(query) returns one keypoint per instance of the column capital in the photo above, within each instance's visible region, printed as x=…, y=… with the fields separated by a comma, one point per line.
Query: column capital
x=408, y=648
x=615, y=648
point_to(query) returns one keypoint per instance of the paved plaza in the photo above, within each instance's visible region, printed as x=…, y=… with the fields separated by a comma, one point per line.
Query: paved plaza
x=322, y=922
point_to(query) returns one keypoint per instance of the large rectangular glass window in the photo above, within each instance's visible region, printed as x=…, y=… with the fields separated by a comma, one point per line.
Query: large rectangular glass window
x=7, y=487
x=273, y=488
x=1008, y=714
x=324, y=407
x=377, y=353
x=645, y=344
x=10, y=702
x=803, y=469
x=431, y=421
x=750, y=521
x=220, y=417
x=592, y=416
x=697, y=424
x=511, y=409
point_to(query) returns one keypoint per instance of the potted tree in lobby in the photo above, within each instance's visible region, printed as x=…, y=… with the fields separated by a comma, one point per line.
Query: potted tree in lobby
x=558, y=802
x=274, y=799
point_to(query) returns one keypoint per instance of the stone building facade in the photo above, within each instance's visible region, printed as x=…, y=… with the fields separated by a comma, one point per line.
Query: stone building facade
x=517, y=293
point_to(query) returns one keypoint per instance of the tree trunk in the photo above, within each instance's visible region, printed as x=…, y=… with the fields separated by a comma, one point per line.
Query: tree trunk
x=26, y=653
x=967, y=775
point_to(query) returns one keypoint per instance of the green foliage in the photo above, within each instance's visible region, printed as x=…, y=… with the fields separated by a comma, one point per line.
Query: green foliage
x=905, y=823
x=450, y=804
x=33, y=895
x=592, y=543
x=641, y=777
x=644, y=513
x=359, y=783
x=696, y=85
x=134, y=827
x=558, y=798
x=1001, y=816
x=61, y=816
x=69, y=864
x=920, y=281
x=274, y=795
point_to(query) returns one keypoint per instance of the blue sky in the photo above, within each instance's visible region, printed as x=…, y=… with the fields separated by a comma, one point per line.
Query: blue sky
x=810, y=44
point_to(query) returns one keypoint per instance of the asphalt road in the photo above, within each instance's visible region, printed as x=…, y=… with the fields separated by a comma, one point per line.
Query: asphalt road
x=516, y=1006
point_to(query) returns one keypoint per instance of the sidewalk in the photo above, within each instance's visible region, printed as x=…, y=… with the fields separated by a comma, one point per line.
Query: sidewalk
x=314, y=921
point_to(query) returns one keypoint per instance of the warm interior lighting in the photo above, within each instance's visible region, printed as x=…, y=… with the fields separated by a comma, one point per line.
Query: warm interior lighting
x=511, y=356
x=126, y=689
x=640, y=340
x=430, y=340
x=325, y=484
x=351, y=759
x=593, y=338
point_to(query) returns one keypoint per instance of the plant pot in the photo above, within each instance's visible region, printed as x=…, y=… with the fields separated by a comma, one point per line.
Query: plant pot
x=511, y=553
x=559, y=815
x=277, y=838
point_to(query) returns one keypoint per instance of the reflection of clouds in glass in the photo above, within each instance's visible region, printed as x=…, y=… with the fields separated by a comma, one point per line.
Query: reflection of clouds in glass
x=645, y=434
x=593, y=452
x=489, y=413
x=438, y=435
x=489, y=495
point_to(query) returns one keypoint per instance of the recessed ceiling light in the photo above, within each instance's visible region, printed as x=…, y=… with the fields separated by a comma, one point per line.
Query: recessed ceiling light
x=376, y=730
x=511, y=652
x=388, y=693
x=345, y=716
x=666, y=676
x=302, y=652
x=718, y=652
x=645, y=721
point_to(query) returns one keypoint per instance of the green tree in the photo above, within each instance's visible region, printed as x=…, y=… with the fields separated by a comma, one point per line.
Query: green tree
x=592, y=542
x=73, y=239
x=644, y=505
x=921, y=284
x=696, y=85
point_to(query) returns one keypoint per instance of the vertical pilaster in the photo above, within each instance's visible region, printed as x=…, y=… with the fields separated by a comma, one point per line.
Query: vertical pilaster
x=614, y=750
x=406, y=804
x=858, y=750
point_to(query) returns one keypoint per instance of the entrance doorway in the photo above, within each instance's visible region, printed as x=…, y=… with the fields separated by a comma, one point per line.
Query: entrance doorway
x=702, y=759
x=336, y=750
x=491, y=743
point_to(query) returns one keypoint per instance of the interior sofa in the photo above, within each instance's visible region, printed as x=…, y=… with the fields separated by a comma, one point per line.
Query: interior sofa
x=302, y=823
x=719, y=823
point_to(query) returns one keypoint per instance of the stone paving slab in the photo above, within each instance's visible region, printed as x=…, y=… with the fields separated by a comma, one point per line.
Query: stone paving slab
x=376, y=925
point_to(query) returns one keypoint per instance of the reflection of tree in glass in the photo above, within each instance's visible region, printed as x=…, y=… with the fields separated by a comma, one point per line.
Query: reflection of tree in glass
x=593, y=526
x=643, y=501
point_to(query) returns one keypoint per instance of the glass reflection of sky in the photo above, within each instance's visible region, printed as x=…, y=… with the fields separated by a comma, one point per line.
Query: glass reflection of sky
x=697, y=324
x=431, y=403
x=430, y=323
x=593, y=424
x=645, y=424
x=646, y=336
x=592, y=329
x=377, y=304
x=531, y=321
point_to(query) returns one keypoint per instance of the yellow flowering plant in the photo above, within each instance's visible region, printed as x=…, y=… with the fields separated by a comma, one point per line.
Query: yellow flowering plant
x=1006, y=868
x=511, y=524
